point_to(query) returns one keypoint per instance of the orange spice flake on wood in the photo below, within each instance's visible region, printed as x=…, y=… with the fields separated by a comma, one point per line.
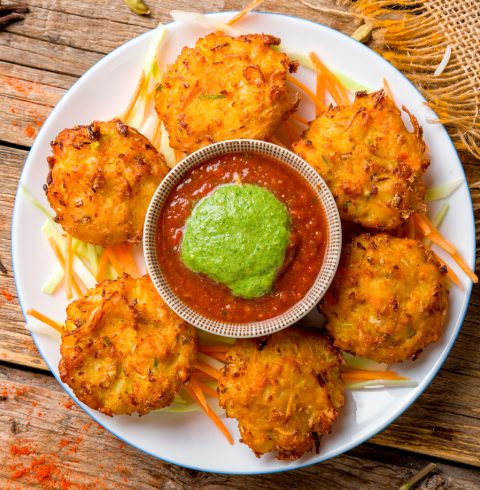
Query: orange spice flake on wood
x=6, y=295
x=69, y=403
x=29, y=131
x=20, y=450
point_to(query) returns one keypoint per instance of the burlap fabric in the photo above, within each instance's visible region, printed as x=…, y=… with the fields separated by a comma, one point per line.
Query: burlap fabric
x=413, y=35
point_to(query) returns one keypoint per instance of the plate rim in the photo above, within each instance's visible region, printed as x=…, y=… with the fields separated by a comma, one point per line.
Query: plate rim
x=420, y=389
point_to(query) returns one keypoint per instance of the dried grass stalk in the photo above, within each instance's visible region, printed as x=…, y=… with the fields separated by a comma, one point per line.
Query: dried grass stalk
x=413, y=36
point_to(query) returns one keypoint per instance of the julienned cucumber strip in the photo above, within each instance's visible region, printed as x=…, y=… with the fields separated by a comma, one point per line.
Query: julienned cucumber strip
x=362, y=363
x=442, y=191
x=382, y=383
x=54, y=280
x=35, y=202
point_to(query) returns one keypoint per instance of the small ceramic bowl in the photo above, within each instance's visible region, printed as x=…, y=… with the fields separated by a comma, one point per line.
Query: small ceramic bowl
x=330, y=259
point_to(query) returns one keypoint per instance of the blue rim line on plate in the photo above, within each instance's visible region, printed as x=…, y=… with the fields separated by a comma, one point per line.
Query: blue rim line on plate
x=421, y=387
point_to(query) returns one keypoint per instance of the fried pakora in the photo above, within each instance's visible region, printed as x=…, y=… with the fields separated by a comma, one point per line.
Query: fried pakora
x=225, y=88
x=101, y=180
x=371, y=162
x=389, y=299
x=123, y=350
x=285, y=390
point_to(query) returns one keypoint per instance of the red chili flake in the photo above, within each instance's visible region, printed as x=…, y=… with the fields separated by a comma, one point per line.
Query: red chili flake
x=69, y=403
x=16, y=450
x=29, y=131
x=6, y=295
x=86, y=427
x=63, y=443
x=21, y=391
x=20, y=86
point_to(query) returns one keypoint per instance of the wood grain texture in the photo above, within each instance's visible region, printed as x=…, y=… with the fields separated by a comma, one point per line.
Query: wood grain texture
x=37, y=417
x=451, y=431
x=16, y=344
x=40, y=58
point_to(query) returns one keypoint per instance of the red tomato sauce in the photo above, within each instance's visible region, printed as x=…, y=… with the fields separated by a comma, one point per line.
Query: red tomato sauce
x=303, y=258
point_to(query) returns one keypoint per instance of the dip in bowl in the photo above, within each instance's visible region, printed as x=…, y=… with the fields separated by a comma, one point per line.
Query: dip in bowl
x=242, y=238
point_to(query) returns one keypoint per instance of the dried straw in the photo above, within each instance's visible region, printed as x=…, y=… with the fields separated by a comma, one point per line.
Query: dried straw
x=413, y=35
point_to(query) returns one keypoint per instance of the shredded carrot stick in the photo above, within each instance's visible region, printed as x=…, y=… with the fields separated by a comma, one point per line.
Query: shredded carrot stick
x=299, y=119
x=45, y=319
x=452, y=276
x=206, y=389
x=178, y=155
x=318, y=103
x=197, y=393
x=124, y=253
x=205, y=368
x=138, y=89
x=429, y=230
x=464, y=266
x=320, y=91
x=360, y=375
x=292, y=134
x=435, y=237
x=433, y=234
x=387, y=90
x=68, y=266
x=102, y=266
x=275, y=140
x=214, y=417
x=332, y=84
x=422, y=224
x=58, y=254
x=157, y=134
x=244, y=11
x=215, y=348
x=116, y=263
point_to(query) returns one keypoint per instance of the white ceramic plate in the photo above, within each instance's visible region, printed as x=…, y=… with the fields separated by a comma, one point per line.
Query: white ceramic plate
x=191, y=440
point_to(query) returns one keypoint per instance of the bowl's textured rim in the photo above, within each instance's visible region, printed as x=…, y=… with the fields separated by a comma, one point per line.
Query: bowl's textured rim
x=330, y=260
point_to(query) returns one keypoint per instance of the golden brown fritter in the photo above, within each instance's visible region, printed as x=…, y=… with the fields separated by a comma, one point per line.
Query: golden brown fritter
x=225, y=88
x=101, y=180
x=371, y=163
x=389, y=299
x=124, y=350
x=285, y=390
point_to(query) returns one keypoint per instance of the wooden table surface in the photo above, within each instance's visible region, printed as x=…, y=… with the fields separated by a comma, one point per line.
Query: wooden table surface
x=48, y=442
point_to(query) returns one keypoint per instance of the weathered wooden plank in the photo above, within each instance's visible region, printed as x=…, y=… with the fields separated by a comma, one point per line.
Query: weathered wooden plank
x=47, y=441
x=16, y=344
x=35, y=71
x=27, y=95
x=452, y=431
x=63, y=37
x=75, y=31
x=45, y=55
x=69, y=37
x=117, y=11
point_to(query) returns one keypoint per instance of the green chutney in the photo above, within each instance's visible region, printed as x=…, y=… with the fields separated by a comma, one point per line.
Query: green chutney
x=237, y=235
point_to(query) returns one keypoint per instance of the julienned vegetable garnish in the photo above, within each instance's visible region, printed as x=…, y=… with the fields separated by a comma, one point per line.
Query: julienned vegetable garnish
x=81, y=265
